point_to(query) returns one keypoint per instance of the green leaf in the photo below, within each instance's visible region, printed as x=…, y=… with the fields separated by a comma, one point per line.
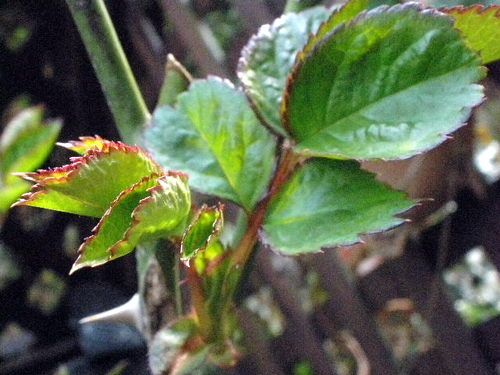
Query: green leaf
x=162, y=214
x=340, y=16
x=391, y=84
x=113, y=225
x=85, y=144
x=481, y=28
x=10, y=193
x=329, y=203
x=155, y=206
x=26, y=142
x=204, y=229
x=214, y=136
x=452, y=3
x=268, y=58
x=91, y=182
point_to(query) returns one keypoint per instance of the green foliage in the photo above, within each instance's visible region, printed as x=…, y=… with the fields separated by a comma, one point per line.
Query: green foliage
x=214, y=137
x=328, y=203
x=382, y=71
x=336, y=86
x=269, y=57
x=202, y=231
x=74, y=188
x=340, y=16
x=137, y=199
x=24, y=145
x=481, y=28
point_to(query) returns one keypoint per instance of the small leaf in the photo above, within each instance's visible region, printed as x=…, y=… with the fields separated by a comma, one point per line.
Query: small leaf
x=391, y=84
x=481, y=28
x=85, y=144
x=269, y=56
x=162, y=214
x=329, y=203
x=155, y=206
x=26, y=142
x=91, y=182
x=214, y=136
x=113, y=225
x=204, y=229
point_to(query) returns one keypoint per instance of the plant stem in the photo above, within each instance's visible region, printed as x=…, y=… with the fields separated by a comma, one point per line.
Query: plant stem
x=243, y=252
x=177, y=285
x=198, y=301
x=111, y=66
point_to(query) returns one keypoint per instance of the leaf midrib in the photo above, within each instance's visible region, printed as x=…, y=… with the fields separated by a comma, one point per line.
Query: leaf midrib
x=369, y=106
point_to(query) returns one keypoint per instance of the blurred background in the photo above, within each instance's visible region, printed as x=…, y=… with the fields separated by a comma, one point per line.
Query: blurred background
x=422, y=299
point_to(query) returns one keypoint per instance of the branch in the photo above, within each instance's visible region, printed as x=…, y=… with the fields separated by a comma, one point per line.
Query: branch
x=111, y=66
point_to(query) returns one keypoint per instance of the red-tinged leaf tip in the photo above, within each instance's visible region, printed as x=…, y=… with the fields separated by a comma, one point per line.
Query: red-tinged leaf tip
x=81, y=187
x=84, y=144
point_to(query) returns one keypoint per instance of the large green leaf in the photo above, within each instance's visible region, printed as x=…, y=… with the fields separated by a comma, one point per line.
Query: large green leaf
x=214, y=136
x=91, y=182
x=154, y=207
x=269, y=56
x=391, y=84
x=481, y=28
x=26, y=142
x=329, y=203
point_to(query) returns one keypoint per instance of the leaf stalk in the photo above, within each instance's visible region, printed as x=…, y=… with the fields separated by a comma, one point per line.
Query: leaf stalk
x=288, y=162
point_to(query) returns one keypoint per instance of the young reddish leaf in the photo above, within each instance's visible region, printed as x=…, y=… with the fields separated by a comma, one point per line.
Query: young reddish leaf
x=91, y=182
x=163, y=213
x=481, y=28
x=204, y=228
x=391, y=84
x=155, y=206
x=112, y=226
x=85, y=144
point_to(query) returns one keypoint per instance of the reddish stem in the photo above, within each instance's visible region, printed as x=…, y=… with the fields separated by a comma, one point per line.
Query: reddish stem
x=285, y=168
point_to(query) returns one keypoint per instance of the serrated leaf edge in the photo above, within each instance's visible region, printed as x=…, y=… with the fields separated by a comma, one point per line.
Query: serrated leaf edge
x=285, y=103
x=404, y=195
x=44, y=178
x=216, y=229
x=140, y=207
x=78, y=264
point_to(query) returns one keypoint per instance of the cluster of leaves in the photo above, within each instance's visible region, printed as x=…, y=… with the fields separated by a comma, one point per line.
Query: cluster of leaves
x=24, y=145
x=136, y=199
x=332, y=88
